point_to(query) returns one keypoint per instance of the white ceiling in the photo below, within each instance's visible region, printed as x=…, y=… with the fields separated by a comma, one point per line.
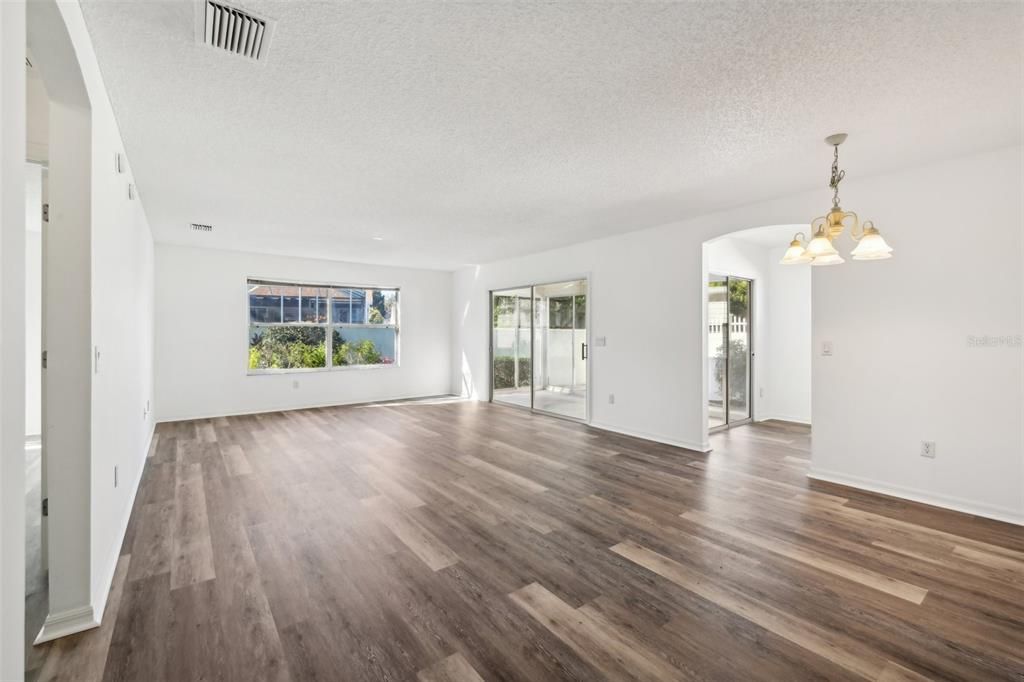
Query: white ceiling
x=467, y=132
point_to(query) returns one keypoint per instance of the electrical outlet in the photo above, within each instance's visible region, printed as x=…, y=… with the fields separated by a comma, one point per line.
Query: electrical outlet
x=826, y=348
x=295, y=383
x=115, y=476
x=760, y=392
x=611, y=398
x=928, y=449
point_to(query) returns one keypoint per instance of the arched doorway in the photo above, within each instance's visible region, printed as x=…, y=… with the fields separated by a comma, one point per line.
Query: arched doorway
x=758, y=330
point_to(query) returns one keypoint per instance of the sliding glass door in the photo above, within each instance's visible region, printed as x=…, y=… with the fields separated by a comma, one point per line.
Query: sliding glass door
x=539, y=348
x=560, y=348
x=511, y=349
x=718, y=322
x=729, y=350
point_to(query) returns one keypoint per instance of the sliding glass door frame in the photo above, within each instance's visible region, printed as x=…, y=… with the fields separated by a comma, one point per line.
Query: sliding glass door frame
x=533, y=302
x=726, y=409
x=490, y=345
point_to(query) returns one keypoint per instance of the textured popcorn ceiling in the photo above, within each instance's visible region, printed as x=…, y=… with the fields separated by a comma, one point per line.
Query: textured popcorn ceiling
x=467, y=132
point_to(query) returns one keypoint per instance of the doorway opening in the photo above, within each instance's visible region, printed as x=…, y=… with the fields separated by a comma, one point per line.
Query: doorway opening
x=59, y=131
x=756, y=345
x=37, y=586
x=539, y=357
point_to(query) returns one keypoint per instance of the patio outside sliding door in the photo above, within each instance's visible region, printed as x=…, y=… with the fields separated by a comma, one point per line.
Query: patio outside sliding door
x=539, y=353
x=729, y=350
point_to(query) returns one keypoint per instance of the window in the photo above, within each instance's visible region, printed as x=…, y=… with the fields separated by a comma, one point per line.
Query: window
x=310, y=327
x=560, y=312
x=364, y=328
x=580, y=308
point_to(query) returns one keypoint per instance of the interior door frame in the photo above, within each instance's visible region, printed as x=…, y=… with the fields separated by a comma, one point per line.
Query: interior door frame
x=490, y=346
x=44, y=519
x=729, y=423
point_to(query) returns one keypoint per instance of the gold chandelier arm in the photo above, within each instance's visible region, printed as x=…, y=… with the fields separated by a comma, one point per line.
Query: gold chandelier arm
x=800, y=237
x=817, y=223
x=856, y=221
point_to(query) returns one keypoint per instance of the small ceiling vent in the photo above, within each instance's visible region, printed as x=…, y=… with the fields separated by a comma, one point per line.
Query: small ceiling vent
x=233, y=29
x=199, y=227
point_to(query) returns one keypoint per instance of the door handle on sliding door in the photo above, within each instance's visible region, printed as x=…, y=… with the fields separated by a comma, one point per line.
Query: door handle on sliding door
x=583, y=351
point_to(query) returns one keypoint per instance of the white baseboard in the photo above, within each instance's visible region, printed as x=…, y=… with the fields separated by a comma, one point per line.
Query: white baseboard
x=101, y=591
x=783, y=418
x=922, y=496
x=293, y=408
x=67, y=623
x=657, y=438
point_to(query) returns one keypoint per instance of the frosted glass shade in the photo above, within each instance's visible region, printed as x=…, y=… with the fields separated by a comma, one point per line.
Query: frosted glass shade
x=821, y=246
x=795, y=255
x=828, y=259
x=871, y=247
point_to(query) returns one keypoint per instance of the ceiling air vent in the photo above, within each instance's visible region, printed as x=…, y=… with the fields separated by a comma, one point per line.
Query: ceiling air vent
x=233, y=29
x=199, y=227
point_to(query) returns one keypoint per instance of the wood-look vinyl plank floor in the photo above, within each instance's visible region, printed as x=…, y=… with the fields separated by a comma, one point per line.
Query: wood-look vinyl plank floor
x=460, y=542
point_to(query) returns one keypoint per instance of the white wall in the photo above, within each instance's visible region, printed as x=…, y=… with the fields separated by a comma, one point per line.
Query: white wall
x=33, y=300
x=12, y=339
x=918, y=308
x=122, y=329
x=657, y=393
x=789, y=330
x=37, y=121
x=202, y=335
x=904, y=369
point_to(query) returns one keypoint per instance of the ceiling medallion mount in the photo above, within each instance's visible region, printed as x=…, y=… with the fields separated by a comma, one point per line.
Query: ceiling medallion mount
x=824, y=229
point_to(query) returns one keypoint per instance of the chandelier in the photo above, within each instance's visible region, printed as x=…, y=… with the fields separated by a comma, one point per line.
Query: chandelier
x=820, y=250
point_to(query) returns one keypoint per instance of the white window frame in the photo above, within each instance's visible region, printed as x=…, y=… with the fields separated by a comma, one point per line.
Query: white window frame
x=329, y=325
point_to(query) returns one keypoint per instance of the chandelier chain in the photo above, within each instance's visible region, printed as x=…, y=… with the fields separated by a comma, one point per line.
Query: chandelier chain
x=837, y=176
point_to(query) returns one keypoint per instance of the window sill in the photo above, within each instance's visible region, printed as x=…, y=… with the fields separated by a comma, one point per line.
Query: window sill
x=324, y=370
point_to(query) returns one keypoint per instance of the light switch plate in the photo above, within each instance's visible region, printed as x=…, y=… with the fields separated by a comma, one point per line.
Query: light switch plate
x=826, y=348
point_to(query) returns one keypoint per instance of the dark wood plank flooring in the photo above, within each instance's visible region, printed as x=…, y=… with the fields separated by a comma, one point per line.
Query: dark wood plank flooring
x=466, y=541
